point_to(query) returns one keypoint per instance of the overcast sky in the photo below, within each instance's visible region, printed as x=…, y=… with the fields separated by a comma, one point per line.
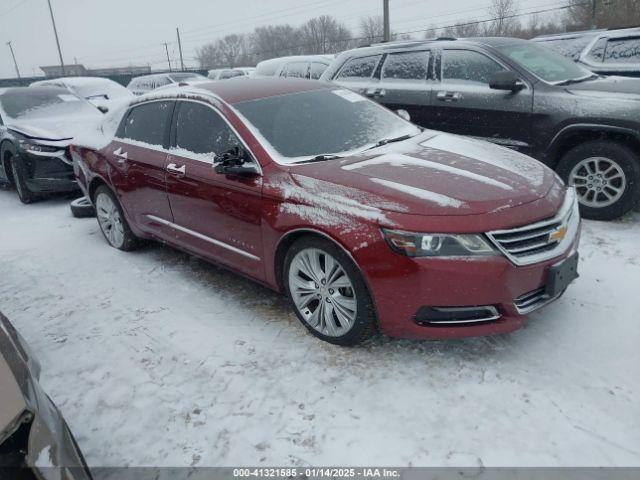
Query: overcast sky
x=103, y=33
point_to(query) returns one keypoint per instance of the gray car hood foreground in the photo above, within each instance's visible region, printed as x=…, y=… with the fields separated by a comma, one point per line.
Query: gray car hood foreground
x=53, y=129
x=29, y=420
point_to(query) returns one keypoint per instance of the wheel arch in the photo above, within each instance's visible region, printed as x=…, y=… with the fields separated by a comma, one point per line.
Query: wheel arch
x=93, y=186
x=5, y=145
x=573, y=135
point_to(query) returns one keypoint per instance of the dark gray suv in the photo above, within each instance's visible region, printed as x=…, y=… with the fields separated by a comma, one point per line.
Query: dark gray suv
x=517, y=94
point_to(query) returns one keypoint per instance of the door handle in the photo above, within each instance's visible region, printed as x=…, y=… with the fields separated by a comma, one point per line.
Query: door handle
x=173, y=168
x=449, y=96
x=374, y=92
x=122, y=156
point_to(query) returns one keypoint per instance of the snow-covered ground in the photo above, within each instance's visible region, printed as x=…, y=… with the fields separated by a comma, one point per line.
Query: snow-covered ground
x=156, y=358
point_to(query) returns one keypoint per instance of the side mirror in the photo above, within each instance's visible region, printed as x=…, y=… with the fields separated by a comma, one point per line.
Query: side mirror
x=103, y=109
x=506, y=80
x=234, y=162
x=403, y=114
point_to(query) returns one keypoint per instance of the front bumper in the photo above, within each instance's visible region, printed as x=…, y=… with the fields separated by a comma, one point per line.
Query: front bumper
x=48, y=174
x=403, y=287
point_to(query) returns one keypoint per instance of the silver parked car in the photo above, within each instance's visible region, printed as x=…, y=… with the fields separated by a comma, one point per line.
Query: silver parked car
x=607, y=52
x=146, y=83
x=299, y=66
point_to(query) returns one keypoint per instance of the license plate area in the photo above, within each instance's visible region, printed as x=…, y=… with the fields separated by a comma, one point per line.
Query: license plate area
x=560, y=275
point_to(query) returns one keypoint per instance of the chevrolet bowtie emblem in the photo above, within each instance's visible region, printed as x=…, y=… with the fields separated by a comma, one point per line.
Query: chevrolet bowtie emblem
x=558, y=235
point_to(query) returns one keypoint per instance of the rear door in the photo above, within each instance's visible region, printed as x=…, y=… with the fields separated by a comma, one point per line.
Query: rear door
x=216, y=216
x=464, y=103
x=138, y=157
x=405, y=84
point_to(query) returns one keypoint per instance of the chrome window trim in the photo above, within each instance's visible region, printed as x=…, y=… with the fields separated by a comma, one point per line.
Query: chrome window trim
x=568, y=215
x=206, y=238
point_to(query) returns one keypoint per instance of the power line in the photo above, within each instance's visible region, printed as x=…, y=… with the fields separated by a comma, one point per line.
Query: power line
x=6, y=12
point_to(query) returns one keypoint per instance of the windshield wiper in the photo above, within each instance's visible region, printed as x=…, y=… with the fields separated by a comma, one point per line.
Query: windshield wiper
x=384, y=141
x=320, y=158
x=577, y=80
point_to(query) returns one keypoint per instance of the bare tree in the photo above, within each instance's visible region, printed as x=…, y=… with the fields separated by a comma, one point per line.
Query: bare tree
x=609, y=14
x=209, y=56
x=275, y=41
x=463, y=29
x=502, y=23
x=371, y=30
x=324, y=34
x=233, y=49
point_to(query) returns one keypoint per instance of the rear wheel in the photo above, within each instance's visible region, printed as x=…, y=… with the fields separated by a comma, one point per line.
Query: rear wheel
x=328, y=292
x=24, y=194
x=606, y=176
x=112, y=223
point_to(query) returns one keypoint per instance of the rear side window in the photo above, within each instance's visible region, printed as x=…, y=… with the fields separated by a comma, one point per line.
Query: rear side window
x=358, y=68
x=202, y=131
x=230, y=74
x=317, y=69
x=466, y=66
x=406, y=66
x=146, y=123
x=622, y=50
x=162, y=81
x=295, y=70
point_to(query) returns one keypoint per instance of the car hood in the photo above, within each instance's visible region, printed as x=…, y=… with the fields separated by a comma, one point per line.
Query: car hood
x=626, y=87
x=53, y=129
x=431, y=174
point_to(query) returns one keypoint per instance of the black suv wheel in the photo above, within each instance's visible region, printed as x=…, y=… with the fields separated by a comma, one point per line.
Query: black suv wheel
x=606, y=176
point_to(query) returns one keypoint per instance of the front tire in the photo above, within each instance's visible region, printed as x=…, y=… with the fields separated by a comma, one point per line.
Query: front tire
x=112, y=222
x=327, y=292
x=606, y=176
x=24, y=194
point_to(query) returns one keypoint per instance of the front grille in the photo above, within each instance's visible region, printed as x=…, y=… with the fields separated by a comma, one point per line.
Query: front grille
x=543, y=240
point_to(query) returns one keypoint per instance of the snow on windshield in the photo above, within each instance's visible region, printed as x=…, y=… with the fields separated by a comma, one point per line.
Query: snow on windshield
x=22, y=103
x=92, y=87
x=302, y=125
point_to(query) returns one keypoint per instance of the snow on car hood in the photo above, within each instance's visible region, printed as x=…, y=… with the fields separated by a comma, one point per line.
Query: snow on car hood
x=54, y=128
x=433, y=174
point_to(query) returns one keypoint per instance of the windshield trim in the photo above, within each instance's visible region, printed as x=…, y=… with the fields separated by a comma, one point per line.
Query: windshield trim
x=288, y=161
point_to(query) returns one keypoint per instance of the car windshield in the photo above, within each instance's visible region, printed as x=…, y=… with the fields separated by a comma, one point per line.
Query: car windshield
x=179, y=77
x=322, y=122
x=568, y=47
x=543, y=63
x=33, y=102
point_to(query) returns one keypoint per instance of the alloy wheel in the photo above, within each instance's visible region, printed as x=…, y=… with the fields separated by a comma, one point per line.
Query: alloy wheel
x=110, y=220
x=599, y=181
x=322, y=292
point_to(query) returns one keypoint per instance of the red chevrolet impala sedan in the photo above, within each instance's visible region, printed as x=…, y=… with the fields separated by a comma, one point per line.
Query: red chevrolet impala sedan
x=364, y=220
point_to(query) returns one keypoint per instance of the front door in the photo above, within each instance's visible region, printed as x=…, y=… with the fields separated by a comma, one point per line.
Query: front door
x=138, y=157
x=464, y=103
x=216, y=216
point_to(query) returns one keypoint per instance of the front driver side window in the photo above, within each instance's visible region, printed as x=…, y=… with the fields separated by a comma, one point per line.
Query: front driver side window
x=202, y=131
x=466, y=66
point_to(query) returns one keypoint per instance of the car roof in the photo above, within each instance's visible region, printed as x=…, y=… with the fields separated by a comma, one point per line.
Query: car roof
x=444, y=41
x=247, y=90
x=612, y=33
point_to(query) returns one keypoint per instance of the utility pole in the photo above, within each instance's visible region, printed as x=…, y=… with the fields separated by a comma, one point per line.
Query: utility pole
x=14, y=59
x=387, y=29
x=55, y=31
x=166, y=47
x=593, y=15
x=180, y=48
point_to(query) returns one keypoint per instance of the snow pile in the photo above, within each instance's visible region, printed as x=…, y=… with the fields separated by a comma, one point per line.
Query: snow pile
x=325, y=203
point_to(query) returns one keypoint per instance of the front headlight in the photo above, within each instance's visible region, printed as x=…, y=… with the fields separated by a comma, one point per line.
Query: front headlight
x=437, y=244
